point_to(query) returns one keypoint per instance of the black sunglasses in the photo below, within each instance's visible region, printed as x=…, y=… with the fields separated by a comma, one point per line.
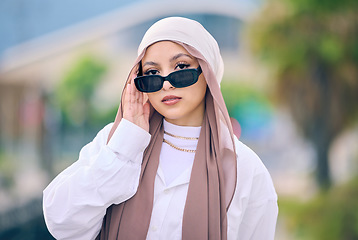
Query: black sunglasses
x=178, y=79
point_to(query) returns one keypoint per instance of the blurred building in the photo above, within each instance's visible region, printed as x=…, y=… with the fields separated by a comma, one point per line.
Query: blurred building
x=40, y=40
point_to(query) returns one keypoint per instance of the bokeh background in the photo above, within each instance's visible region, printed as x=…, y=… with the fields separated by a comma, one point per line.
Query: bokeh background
x=290, y=85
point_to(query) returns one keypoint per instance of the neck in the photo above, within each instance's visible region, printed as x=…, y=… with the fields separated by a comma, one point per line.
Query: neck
x=193, y=120
x=185, y=123
x=185, y=131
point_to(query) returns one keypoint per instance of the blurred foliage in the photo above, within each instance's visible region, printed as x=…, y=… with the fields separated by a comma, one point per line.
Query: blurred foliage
x=7, y=170
x=312, y=48
x=249, y=106
x=237, y=93
x=101, y=118
x=330, y=216
x=33, y=230
x=74, y=94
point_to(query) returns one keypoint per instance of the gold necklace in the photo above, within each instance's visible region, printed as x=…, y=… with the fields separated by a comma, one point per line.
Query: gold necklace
x=178, y=148
x=180, y=137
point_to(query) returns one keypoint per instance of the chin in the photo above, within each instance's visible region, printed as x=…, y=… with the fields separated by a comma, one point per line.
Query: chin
x=173, y=117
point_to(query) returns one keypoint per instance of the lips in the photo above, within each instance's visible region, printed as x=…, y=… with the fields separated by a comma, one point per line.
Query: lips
x=171, y=100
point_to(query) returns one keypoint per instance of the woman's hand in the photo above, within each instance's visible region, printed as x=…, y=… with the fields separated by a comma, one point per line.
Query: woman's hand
x=135, y=109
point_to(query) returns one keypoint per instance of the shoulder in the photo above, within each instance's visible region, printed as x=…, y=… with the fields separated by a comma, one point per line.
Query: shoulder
x=247, y=159
x=253, y=209
x=254, y=182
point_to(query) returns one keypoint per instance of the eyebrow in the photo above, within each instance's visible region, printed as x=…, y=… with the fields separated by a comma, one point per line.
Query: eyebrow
x=151, y=63
x=180, y=55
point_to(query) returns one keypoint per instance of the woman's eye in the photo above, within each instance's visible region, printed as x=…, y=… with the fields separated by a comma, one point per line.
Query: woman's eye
x=151, y=72
x=182, y=66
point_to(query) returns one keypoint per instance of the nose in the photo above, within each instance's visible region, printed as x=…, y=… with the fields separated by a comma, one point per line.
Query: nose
x=167, y=86
x=166, y=71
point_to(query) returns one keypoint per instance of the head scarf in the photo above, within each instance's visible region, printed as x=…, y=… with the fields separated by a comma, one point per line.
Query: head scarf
x=213, y=177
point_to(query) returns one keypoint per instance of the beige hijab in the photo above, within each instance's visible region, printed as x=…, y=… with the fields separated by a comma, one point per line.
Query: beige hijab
x=213, y=177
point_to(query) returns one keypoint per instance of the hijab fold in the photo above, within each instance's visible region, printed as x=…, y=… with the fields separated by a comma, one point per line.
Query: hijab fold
x=213, y=177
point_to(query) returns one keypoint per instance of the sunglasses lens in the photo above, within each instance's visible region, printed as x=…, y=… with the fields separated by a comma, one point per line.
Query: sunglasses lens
x=183, y=78
x=179, y=79
x=148, y=83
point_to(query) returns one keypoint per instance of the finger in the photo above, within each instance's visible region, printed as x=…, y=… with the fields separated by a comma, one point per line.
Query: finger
x=138, y=96
x=136, y=93
x=127, y=98
x=133, y=75
x=146, y=110
x=134, y=98
x=132, y=95
x=140, y=99
x=125, y=93
x=125, y=101
x=130, y=80
x=145, y=98
x=140, y=102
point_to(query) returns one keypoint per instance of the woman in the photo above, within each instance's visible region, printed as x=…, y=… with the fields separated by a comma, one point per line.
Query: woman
x=169, y=167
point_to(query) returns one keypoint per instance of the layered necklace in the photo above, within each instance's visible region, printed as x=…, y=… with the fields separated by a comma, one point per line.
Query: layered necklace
x=180, y=137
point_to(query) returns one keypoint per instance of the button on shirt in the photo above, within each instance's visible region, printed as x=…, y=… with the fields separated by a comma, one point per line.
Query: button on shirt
x=75, y=202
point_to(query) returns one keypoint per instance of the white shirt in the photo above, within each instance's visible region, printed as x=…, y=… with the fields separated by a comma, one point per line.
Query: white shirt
x=174, y=162
x=171, y=183
x=75, y=202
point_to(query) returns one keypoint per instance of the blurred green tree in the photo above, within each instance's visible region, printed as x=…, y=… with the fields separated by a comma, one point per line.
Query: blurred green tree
x=249, y=106
x=330, y=215
x=312, y=47
x=75, y=91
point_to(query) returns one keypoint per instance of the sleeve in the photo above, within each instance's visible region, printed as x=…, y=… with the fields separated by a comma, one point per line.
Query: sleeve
x=254, y=204
x=260, y=216
x=75, y=202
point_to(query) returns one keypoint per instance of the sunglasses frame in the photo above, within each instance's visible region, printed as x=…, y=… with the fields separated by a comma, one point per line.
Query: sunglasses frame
x=195, y=71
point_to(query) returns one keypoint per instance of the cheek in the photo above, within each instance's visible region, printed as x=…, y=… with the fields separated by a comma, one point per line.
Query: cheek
x=201, y=87
x=153, y=98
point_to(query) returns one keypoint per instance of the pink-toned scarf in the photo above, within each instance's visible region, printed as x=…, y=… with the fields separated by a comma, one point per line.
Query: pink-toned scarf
x=213, y=177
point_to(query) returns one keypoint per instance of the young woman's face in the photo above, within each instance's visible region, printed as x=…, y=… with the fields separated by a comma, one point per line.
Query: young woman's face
x=180, y=106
